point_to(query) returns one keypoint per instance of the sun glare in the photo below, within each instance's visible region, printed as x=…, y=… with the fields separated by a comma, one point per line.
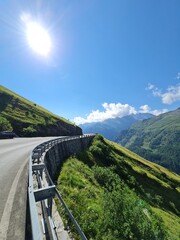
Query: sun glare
x=38, y=38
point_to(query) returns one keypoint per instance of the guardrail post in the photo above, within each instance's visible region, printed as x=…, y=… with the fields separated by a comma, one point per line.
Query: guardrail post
x=49, y=202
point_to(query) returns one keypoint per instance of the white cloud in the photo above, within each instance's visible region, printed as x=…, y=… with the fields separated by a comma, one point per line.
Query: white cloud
x=178, y=75
x=150, y=86
x=146, y=109
x=158, y=112
x=171, y=95
x=111, y=110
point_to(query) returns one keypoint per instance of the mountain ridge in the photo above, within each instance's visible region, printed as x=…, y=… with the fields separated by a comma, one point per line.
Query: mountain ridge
x=156, y=139
x=111, y=127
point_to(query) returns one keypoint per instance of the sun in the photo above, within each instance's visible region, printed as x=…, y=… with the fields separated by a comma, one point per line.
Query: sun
x=38, y=38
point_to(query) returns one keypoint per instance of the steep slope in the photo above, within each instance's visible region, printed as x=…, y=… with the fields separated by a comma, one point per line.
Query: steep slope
x=111, y=128
x=156, y=139
x=29, y=119
x=115, y=194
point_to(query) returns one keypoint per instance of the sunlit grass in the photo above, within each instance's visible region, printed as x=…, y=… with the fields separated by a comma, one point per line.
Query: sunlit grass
x=19, y=108
x=171, y=222
x=153, y=184
x=145, y=163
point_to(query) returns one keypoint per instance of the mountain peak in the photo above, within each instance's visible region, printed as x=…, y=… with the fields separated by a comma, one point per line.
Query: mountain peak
x=110, y=128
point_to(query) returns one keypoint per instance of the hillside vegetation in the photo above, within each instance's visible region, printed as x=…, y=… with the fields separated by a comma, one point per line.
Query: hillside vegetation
x=29, y=119
x=156, y=139
x=115, y=194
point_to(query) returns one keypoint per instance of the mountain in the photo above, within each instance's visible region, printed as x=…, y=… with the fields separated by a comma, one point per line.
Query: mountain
x=111, y=128
x=156, y=139
x=115, y=194
x=26, y=118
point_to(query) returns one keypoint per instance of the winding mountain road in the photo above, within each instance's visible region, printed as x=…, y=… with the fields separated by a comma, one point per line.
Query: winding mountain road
x=14, y=155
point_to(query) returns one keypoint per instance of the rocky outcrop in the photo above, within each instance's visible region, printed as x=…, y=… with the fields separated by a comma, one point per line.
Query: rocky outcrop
x=60, y=128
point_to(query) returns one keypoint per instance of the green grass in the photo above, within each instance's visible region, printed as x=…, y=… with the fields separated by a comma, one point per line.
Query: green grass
x=171, y=222
x=84, y=195
x=29, y=118
x=156, y=139
x=155, y=168
x=103, y=185
x=18, y=106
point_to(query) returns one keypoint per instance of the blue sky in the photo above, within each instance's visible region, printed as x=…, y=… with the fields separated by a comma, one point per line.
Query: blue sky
x=108, y=58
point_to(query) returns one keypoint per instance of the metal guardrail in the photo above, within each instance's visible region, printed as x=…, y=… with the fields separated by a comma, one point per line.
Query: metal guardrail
x=45, y=194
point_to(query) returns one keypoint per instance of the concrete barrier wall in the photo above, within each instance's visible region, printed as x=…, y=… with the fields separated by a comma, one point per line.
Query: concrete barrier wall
x=58, y=153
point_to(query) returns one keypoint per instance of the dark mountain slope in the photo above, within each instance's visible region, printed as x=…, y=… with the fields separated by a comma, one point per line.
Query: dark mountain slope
x=112, y=127
x=156, y=139
x=29, y=119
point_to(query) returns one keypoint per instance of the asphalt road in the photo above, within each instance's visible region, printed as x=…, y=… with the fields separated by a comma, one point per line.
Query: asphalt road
x=14, y=155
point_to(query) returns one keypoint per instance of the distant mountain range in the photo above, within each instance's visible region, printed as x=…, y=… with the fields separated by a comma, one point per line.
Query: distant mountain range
x=26, y=118
x=111, y=128
x=156, y=139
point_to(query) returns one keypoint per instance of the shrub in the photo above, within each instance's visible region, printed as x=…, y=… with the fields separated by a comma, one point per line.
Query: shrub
x=29, y=131
x=126, y=216
x=5, y=125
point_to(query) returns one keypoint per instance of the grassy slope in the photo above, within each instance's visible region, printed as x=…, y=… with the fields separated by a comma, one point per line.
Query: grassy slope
x=23, y=113
x=14, y=105
x=156, y=139
x=155, y=186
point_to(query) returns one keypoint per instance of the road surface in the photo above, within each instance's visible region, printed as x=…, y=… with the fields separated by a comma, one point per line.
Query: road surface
x=14, y=155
